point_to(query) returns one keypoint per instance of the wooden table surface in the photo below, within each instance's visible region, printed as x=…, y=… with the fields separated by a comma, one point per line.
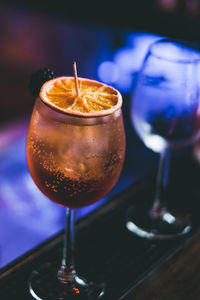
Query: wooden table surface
x=177, y=279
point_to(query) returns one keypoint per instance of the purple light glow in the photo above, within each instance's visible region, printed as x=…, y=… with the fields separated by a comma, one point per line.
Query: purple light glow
x=126, y=61
x=23, y=208
x=108, y=72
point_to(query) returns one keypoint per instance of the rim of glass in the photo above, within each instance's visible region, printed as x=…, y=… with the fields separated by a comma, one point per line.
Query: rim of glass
x=55, y=115
x=187, y=44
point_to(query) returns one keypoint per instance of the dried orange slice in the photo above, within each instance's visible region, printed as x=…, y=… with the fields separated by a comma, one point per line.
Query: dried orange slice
x=94, y=99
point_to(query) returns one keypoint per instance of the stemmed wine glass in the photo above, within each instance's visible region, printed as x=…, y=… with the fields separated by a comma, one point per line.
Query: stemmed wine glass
x=165, y=114
x=75, y=161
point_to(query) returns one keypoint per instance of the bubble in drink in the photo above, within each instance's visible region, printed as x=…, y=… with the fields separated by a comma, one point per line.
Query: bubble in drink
x=74, y=162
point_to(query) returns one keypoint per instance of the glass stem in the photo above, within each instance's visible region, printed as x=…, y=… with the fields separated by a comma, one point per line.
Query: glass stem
x=160, y=201
x=67, y=272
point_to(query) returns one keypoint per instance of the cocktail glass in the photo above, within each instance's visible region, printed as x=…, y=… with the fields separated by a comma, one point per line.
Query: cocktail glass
x=165, y=114
x=75, y=161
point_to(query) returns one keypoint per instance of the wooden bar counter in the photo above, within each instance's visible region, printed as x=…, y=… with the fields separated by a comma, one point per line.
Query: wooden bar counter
x=178, y=278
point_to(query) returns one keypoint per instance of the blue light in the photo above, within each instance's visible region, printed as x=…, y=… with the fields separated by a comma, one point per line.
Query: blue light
x=130, y=57
x=126, y=61
x=124, y=58
x=108, y=72
x=124, y=82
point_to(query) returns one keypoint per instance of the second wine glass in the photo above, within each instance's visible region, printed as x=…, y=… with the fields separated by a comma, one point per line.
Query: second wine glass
x=165, y=115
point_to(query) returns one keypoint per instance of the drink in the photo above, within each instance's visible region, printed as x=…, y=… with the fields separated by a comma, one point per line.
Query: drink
x=75, y=153
x=74, y=163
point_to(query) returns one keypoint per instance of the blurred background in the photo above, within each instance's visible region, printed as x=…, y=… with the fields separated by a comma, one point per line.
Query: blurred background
x=109, y=40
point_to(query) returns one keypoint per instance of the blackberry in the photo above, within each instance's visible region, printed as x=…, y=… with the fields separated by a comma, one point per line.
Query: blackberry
x=38, y=78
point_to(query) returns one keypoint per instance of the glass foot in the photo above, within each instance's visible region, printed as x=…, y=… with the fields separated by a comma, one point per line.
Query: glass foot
x=44, y=285
x=149, y=225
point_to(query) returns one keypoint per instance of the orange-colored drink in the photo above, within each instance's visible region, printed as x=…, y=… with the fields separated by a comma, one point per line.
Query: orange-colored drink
x=75, y=153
